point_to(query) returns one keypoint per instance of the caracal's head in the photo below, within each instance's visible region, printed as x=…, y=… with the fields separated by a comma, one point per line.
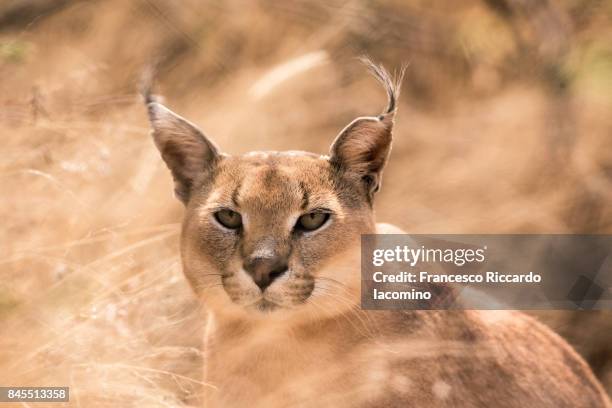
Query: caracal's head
x=273, y=231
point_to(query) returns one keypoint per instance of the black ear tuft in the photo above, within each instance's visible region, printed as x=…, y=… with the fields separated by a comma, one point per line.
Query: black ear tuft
x=363, y=146
x=392, y=85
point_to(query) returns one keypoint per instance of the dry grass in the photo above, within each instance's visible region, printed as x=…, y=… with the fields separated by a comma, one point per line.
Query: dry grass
x=92, y=295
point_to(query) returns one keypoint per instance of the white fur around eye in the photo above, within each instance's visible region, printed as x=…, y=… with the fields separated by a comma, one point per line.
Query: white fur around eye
x=210, y=204
x=292, y=219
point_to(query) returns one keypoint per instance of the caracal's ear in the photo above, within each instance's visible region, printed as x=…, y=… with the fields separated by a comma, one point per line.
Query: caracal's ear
x=363, y=146
x=190, y=156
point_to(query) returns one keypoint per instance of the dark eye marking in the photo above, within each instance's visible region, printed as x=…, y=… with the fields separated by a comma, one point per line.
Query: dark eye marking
x=305, y=196
x=235, y=194
x=228, y=218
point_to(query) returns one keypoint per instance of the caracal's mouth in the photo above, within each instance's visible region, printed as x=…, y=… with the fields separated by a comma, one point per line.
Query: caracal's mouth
x=265, y=305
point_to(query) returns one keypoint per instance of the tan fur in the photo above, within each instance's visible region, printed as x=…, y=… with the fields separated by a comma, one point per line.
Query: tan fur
x=303, y=341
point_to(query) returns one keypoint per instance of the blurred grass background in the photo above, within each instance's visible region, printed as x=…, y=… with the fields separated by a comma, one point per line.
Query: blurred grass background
x=505, y=126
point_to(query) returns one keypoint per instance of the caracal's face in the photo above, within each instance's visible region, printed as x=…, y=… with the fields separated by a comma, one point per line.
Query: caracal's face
x=267, y=232
x=275, y=231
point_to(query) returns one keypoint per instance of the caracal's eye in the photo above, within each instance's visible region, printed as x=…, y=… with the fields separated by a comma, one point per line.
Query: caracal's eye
x=312, y=221
x=229, y=219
